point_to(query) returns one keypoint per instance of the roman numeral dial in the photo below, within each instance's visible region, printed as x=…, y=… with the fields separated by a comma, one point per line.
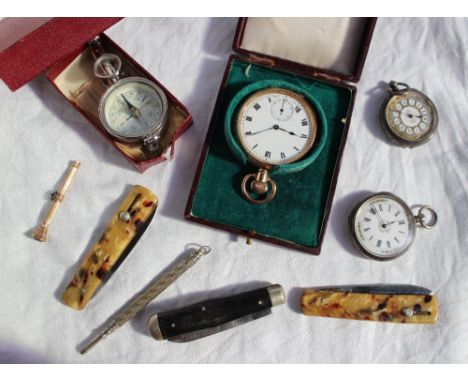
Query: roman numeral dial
x=383, y=226
x=276, y=126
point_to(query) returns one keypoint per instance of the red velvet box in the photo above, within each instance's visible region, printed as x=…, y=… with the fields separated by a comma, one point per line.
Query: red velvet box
x=31, y=46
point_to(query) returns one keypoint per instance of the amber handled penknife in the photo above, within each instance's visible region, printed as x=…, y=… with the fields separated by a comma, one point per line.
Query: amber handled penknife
x=123, y=231
x=396, y=303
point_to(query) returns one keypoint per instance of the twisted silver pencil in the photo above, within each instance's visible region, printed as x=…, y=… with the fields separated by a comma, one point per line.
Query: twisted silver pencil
x=148, y=294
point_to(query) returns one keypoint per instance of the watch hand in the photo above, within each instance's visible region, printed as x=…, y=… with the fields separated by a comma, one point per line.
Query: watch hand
x=133, y=110
x=291, y=132
x=282, y=105
x=129, y=105
x=378, y=215
x=144, y=123
x=276, y=127
x=412, y=115
x=261, y=131
x=130, y=116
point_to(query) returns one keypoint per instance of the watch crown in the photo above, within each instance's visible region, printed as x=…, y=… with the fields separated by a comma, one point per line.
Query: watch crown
x=260, y=183
x=151, y=143
x=259, y=187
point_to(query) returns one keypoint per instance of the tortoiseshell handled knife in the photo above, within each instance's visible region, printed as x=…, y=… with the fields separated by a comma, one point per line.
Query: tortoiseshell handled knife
x=212, y=316
x=123, y=231
x=396, y=303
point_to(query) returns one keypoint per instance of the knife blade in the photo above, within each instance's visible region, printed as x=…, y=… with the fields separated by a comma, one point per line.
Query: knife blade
x=212, y=316
x=396, y=303
x=379, y=289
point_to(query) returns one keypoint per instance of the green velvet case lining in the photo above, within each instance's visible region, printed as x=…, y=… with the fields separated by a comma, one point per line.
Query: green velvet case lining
x=231, y=115
x=296, y=213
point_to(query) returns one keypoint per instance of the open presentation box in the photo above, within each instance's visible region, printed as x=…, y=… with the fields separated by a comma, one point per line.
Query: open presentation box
x=323, y=56
x=59, y=46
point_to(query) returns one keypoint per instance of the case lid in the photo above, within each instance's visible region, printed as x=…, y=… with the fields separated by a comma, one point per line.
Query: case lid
x=329, y=47
x=29, y=46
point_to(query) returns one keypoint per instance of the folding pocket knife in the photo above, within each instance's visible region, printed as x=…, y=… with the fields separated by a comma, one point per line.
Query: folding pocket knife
x=123, y=231
x=396, y=303
x=212, y=316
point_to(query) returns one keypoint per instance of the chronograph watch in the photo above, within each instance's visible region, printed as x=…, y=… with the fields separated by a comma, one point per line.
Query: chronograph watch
x=133, y=109
x=408, y=116
x=274, y=128
x=383, y=226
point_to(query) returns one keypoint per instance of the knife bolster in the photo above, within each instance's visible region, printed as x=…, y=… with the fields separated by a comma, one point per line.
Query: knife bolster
x=154, y=329
x=276, y=293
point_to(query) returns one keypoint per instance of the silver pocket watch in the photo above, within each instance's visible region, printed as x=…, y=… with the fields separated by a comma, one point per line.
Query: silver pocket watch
x=133, y=109
x=383, y=226
x=408, y=116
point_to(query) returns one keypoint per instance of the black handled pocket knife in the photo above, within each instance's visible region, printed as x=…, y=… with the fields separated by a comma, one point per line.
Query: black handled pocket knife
x=212, y=316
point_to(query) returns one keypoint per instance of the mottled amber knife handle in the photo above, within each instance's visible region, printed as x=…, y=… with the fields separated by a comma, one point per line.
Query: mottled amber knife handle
x=125, y=228
x=397, y=308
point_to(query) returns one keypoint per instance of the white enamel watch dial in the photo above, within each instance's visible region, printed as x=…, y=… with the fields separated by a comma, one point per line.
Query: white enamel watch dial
x=133, y=108
x=408, y=116
x=383, y=226
x=276, y=126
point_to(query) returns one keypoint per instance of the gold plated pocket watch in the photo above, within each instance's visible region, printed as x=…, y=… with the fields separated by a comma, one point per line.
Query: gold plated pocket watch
x=274, y=127
x=133, y=109
x=408, y=116
x=383, y=226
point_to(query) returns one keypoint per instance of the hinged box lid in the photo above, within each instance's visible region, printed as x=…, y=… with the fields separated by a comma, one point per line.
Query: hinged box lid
x=328, y=47
x=30, y=46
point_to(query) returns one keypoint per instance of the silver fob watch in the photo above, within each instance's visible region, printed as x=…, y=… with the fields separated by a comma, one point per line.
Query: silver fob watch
x=133, y=109
x=408, y=116
x=383, y=226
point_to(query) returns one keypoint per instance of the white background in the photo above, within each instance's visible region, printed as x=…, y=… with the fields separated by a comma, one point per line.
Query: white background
x=41, y=133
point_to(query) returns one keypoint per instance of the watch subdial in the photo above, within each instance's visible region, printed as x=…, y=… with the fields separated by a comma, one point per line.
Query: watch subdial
x=282, y=109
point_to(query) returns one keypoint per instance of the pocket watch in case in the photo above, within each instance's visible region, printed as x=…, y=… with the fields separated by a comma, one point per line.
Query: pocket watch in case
x=133, y=109
x=383, y=227
x=274, y=127
x=408, y=116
